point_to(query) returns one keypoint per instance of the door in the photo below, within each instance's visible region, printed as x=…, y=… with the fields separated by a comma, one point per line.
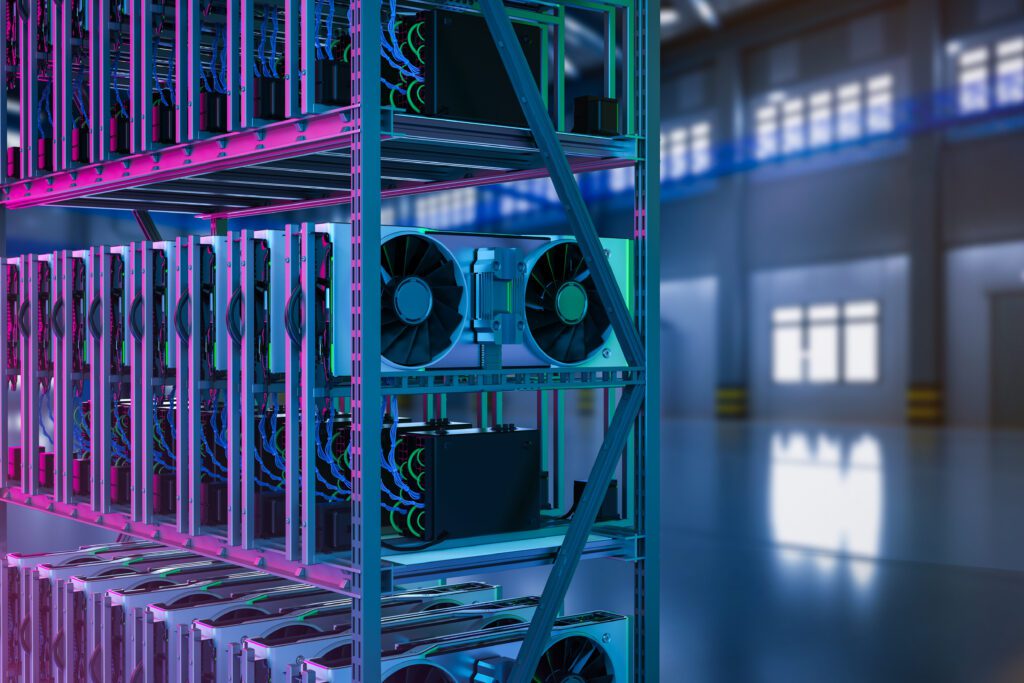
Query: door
x=1007, y=359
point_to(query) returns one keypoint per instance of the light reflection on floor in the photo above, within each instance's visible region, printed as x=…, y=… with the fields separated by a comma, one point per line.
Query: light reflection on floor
x=807, y=554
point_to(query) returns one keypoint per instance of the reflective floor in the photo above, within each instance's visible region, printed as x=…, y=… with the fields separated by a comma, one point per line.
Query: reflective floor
x=795, y=554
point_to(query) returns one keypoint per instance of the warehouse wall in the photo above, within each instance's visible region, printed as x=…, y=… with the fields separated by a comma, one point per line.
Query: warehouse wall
x=837, y=224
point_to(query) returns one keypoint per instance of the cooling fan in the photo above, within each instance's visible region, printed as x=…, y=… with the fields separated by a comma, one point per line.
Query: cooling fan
x=423, y=301
x=564, y=315
x=576, y=659
x=420, y=673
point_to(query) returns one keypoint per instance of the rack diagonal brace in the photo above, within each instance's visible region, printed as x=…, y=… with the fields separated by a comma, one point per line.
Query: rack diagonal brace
x=568, y=190
x=146, y=224
x=576, y=537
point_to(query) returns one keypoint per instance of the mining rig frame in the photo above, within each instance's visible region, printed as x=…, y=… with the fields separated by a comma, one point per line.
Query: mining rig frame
x=357, y=154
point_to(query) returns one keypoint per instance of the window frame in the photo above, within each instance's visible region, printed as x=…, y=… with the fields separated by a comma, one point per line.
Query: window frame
x=804, y=323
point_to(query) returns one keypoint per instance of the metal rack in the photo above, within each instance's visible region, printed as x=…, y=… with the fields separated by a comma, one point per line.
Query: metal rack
x=359, y=155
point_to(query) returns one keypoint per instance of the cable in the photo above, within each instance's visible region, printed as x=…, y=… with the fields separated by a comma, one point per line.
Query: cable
x=261, y=50
x=414, y=548
x=273, y=42
x=44, y=400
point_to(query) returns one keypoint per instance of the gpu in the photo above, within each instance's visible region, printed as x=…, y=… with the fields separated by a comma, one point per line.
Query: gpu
x=161, y=647
x=586, y=648
x=24, y=594
x=272, y=658
x=214, y=642
x=462, y=300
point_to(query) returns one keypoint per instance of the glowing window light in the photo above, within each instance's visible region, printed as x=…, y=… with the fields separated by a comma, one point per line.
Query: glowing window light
x=828, y=499
x=823, y=344
x=850, y=112
x=700, y=148
x=787, y=345
x=793, y=126
x=767, y=132
x=974, y=89
x=821, y=119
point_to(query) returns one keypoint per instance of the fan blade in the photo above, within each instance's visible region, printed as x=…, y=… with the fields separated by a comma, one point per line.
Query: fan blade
x=560, y=348
x=398, y=349
x=449, y=316
x=450, y=295
x=389, y=333
x=439, y=337
x=415, y=354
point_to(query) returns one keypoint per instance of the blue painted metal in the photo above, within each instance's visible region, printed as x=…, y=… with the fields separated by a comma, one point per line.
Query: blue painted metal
x=366, y=390
x=568, y=190
x=576, y=537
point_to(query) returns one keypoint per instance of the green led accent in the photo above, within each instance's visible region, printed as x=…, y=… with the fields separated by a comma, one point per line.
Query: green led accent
x=306, y=615
x=259, y=598
x=209, y=586
x=391, y=518
x=408, y=524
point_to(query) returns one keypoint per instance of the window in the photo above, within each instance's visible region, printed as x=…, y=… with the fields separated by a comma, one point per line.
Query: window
x=786, y=125
x=826, y=343
x=448, y=209
x=686, y=151
x=974, y=79
x=989, y=75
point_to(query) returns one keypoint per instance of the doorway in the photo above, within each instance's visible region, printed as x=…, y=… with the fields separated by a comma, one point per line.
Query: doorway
x=1007, y=330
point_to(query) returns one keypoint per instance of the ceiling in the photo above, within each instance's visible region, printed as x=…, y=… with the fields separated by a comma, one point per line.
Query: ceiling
x=695, y=16
x=680, y=18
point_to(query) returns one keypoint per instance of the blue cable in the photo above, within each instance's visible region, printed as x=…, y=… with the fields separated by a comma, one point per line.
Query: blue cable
x=159, y=86
x=390, y=464
x=261, y=51
x=202, y=72
x=330, y=28
x=268, y=473
x=161, y=456
x=273, y=43
x=393, y=9
x=317, y=13
x=270, y=445
x=170, y=80
x=44, y=400
x=322, y=454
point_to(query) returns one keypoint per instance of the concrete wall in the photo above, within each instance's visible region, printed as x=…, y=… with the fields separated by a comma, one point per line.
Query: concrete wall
x=881, y=279
x=838, y=223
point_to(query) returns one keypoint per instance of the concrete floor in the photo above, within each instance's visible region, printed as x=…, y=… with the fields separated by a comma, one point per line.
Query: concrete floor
x=796, y=554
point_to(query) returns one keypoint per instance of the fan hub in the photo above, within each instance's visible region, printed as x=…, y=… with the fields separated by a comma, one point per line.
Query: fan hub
x=571, y=302
x=413, y=300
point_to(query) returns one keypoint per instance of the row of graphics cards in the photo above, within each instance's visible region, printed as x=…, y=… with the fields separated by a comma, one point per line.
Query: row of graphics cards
x=160, y=379
x=131, y=612
x=176, y=72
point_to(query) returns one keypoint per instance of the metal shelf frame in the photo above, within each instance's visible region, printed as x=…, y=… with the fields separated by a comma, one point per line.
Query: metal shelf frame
x=359, y=155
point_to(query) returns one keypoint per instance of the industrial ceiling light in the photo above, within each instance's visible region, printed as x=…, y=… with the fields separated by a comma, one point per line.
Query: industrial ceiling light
x=669, y=16
x=706, y=12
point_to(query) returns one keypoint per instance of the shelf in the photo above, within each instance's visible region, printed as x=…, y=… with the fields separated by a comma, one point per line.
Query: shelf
x=441, y=561
x=304, y=163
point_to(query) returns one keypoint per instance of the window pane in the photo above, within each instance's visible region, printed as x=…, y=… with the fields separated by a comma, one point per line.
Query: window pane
x=974, y=85
x=860, y=309
x=1010, y=81
x=767, y=132
x=880, y=113
x=824, y=313
x=787, y=355
x=788, y=315
x=823, y=353
x=861, y=346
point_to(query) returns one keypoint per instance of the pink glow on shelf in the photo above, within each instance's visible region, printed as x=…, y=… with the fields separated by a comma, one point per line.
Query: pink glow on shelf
x=579, y=166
